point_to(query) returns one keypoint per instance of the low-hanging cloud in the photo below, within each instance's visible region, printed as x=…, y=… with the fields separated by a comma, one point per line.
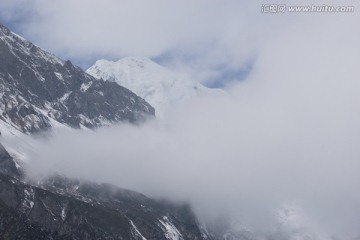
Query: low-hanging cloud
x=289, y=134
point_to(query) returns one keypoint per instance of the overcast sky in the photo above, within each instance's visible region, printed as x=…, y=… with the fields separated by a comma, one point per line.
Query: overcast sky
x=215, y=42
x=209, y=40
x=288, y=133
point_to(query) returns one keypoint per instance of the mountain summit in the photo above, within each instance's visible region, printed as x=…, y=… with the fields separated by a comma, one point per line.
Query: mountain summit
x=158, y=85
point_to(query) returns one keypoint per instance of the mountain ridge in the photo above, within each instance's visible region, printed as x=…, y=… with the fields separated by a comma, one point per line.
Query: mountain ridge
x=61, y=208
x=38, y=88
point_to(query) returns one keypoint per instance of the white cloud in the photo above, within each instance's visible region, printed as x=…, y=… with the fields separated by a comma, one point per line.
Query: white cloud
x=289, y=133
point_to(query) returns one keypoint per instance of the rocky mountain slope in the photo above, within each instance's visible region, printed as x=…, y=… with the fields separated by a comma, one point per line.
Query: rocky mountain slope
x=39, y=90
x=62, y=208
x=156, y=84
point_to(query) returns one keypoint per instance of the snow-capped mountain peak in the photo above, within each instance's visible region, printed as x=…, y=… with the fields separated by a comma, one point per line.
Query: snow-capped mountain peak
x=158, y=85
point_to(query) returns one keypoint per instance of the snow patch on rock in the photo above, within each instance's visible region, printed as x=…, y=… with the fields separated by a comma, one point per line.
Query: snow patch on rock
x=171, y=232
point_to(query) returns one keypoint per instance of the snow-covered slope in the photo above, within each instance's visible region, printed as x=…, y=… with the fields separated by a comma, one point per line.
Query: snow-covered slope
x=156, y=84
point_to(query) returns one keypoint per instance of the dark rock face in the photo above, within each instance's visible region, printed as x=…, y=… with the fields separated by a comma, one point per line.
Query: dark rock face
x=7, y=165
x=62, y=208
x=36, y=86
